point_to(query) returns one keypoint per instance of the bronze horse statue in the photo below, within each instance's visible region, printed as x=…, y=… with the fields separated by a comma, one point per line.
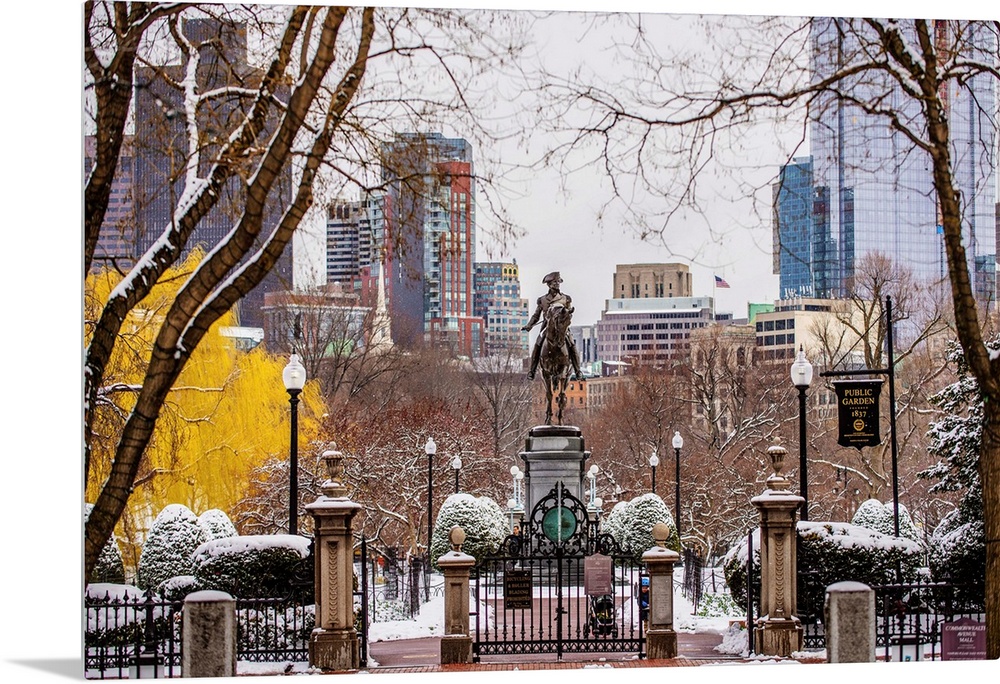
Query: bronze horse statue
x=554, y=359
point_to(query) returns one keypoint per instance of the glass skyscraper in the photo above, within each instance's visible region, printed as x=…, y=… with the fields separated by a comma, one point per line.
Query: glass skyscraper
x=872, y=188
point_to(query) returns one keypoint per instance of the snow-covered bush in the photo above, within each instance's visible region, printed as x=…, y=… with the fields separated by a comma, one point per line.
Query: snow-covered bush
x=110, y=567
x=832, y=552
x=877, y=516
x=630, y=523
x=177, y=588
x=215, y=524
x=481, y=518
x=171, y=540
x=958, y=555
x=254, y=566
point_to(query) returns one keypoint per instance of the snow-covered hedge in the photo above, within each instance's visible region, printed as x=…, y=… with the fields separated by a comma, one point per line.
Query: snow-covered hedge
x=958, y=555
x=481, y=518
x=832, y=552
x=110, y=567
x=171, y=540
x=253, y=566
x=630, y=523
x=877, y=516
x=177, y=588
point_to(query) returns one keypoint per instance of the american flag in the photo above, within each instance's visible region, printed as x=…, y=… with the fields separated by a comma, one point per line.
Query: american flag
x=719, y=282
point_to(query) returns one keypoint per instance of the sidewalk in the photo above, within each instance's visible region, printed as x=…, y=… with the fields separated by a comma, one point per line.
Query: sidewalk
x=423, y=655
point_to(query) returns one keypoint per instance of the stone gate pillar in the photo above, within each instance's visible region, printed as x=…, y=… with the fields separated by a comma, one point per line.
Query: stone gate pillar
x=661, y=638
x=778, y=630
x=334, y=642
x=456, y=644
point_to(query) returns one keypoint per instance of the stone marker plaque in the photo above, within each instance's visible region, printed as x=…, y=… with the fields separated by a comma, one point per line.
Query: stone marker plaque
x=517, y=592
x=963, y=639
x=597, y=575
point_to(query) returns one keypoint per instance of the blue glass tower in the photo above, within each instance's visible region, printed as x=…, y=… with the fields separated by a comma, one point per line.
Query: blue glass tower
x=872, y=187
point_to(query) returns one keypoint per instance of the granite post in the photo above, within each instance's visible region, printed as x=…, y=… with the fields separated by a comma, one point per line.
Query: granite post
x=849, y=619
x=661, y=639
x=456, y=644
x=334, y=644
x=208, y=646
x=778, y=631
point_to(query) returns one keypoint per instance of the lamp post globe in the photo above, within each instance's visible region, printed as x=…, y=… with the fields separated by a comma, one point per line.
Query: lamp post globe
x=677, y=443
x=802, y=375
x=294, y=379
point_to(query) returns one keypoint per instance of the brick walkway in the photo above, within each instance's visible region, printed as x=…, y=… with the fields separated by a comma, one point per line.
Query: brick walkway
x=571, y=665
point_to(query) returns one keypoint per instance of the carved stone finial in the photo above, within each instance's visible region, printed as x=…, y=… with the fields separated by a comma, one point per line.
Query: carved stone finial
x=777, y=453
x=334, y=487
x=660, y=534
x=457, y=537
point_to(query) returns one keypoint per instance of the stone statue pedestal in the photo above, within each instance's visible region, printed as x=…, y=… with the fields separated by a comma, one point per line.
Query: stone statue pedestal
x=552, y=454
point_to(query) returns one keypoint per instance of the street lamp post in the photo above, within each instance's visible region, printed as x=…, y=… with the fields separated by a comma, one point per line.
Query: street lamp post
x=294, y=377
x=592, y=476
x=654, y=461
x=802, y=373
x=430, y=448
x=678, y=443
x=456, y=465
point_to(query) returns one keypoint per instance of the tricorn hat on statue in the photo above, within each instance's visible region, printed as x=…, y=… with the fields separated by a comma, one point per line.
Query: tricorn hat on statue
x=550, y=277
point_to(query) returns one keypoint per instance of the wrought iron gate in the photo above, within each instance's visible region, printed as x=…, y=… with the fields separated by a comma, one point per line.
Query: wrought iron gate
x=559, y=586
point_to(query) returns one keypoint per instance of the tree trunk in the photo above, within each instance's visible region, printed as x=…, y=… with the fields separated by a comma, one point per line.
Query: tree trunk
x=989, y=458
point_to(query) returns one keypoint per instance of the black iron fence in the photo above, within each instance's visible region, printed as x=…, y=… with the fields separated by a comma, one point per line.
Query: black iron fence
x=693, y=581
x=910, y=617
x=126, y=629
x=138, y=635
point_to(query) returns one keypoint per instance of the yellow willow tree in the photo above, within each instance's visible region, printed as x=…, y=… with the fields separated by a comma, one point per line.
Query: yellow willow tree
x=225, y=415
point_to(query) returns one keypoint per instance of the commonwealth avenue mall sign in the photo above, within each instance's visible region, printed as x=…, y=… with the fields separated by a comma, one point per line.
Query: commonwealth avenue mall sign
x=857, y=411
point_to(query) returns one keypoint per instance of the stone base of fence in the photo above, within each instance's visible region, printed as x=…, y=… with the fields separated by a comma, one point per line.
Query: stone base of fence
x=456, y=649
x=661, y=643
x=334, y=649
x=778, y=637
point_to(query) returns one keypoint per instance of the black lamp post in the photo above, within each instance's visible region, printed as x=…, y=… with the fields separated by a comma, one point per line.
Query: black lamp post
x=456, y=465
x=294, y=377
x=430, y=448
x=654, y=461
x=678, y=443
x=802, y=373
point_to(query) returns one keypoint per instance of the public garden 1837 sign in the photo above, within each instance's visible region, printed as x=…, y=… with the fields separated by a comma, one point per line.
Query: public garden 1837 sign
x=857, y=411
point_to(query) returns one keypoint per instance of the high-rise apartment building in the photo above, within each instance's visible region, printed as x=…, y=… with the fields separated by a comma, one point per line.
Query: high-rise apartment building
x=871, y=188
x=160, y=152
x=497, y=300
x=430, y=227
x=355, y=232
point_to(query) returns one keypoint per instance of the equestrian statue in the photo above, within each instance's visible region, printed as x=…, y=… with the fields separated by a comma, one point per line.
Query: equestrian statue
x=554, y=348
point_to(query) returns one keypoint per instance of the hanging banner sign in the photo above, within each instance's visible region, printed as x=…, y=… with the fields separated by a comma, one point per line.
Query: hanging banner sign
x=857, y=411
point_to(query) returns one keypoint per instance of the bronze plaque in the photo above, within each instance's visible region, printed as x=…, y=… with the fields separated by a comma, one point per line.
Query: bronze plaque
x=597, y=575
